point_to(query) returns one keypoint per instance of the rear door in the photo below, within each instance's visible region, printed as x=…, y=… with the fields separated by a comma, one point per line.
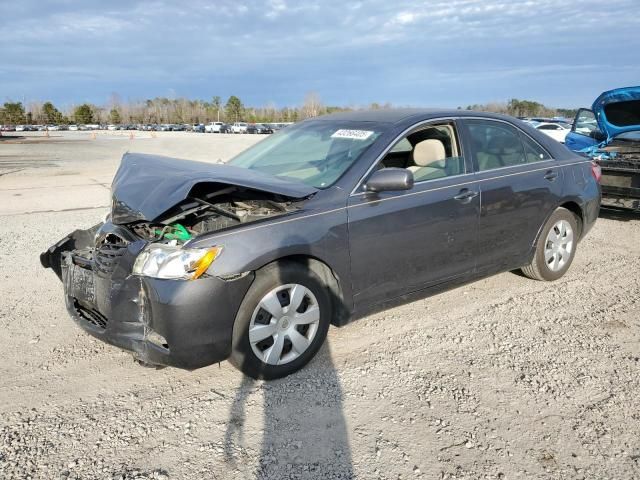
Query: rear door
x=520, y=185
x=404, y=241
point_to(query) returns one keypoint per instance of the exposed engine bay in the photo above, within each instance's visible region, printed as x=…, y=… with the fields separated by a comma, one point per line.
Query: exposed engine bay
x=209, y=212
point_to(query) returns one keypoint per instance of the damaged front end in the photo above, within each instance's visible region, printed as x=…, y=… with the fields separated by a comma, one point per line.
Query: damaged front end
x=619, y=161
x=133, y=281
x=617, y=113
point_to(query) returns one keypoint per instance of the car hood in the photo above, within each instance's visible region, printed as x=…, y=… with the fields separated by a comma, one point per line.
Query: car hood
x=618, y=111
x=146, y=186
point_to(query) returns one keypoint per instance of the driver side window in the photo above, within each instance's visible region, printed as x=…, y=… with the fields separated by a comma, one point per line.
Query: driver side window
x=429, y=152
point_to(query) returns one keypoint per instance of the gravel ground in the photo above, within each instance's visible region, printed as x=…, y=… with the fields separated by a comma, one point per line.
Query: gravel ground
x=504, y=378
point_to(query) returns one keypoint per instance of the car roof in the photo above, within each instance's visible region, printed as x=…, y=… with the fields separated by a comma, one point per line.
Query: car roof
x=401, y=115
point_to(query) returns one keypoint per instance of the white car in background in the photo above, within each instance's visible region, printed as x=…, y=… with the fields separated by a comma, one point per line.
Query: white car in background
x=73, y=128
x=556, y=131
x=239, y=127
x=20, y=128
x=213, y=127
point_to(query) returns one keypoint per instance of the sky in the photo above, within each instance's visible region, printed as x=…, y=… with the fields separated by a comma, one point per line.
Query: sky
x=410, y=53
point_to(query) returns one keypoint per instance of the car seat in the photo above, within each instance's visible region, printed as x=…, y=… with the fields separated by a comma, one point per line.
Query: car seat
x=429, y=160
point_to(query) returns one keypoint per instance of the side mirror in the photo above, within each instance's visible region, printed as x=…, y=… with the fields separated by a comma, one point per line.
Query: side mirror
x=390, y=179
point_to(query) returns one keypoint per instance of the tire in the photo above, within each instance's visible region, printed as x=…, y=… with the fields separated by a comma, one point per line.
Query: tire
x=555, y=247
x=280, y=282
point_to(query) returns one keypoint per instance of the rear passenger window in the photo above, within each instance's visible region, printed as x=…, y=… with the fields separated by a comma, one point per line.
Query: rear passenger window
x=499, y=145
x=533, y=152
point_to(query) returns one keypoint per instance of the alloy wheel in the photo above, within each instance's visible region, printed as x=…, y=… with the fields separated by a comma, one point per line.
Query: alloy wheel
x=284, y=324
x=559, y=245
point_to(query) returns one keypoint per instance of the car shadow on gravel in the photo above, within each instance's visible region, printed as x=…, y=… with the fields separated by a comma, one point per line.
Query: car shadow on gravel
x=305, y=433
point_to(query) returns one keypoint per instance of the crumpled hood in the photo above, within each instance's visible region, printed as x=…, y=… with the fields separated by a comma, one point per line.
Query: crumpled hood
x=618, y=111
x=146, y=186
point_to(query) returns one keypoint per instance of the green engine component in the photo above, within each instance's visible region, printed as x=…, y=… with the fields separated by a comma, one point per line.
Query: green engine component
x=174, y=232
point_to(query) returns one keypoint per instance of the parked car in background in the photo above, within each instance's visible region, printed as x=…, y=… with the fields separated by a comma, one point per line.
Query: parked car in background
x=73, y=128
x=609, y=133
x=20, y=128
x=557, y=131
x=239, y=127
x=213, y=127
x=112, y=127
x=259, y=128
x=322, y=223
x=198, y=127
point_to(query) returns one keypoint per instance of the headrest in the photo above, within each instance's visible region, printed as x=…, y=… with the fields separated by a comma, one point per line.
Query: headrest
x=428, y=151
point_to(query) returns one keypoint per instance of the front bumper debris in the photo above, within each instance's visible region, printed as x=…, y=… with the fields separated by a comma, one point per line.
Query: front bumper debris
x=181, y=323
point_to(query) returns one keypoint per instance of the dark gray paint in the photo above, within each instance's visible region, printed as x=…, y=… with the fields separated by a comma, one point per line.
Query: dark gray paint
x=382, y=245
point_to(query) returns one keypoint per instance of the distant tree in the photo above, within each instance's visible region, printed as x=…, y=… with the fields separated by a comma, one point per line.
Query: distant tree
x=115, y=117
x=216, y=104
x=234, y=109
x=312, y=106
x=13, y=113
x=51, y=113
x=83, y=114
x=567, y=112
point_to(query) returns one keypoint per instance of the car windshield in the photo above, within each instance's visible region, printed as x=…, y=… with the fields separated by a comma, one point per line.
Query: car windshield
x=316, y=152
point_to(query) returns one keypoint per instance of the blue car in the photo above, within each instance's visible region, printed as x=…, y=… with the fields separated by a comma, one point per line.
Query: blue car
x=609, y=133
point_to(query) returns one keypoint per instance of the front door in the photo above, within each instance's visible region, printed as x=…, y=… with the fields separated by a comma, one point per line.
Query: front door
x=403, y=241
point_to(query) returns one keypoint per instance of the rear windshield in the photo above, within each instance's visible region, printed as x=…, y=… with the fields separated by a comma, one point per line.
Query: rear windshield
x=317, y=153
x=623, y=114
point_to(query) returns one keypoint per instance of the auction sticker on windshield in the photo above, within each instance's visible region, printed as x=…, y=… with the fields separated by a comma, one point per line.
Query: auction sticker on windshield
x=352, y=134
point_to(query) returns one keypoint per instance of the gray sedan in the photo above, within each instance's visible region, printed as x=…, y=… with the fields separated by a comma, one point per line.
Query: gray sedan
x=321, y=223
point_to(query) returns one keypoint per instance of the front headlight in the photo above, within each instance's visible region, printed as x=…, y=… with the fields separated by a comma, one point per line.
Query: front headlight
x=170, y=261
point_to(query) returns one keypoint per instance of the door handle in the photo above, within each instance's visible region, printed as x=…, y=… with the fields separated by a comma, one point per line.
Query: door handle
x=551, y=175
x=466, y=195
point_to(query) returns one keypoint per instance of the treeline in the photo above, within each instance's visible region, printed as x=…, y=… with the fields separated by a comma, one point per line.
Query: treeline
x=184, y=110
x=523, y=108
x=162, y=110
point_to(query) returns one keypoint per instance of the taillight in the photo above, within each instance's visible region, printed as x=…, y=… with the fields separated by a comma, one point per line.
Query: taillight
x=596, y=171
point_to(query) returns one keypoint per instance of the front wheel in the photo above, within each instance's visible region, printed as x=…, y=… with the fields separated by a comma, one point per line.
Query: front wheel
x=555, y=248
x=282, y=322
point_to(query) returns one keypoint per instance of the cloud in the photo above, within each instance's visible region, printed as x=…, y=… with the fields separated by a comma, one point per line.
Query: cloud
x=413, y=51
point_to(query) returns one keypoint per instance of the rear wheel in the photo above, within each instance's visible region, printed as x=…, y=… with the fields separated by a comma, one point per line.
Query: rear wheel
x=282, y=322
x=555, y=248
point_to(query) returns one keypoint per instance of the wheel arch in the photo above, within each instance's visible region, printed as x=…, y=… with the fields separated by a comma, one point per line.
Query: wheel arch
x=340, y=312
x=569, y=204
x=577, y=210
